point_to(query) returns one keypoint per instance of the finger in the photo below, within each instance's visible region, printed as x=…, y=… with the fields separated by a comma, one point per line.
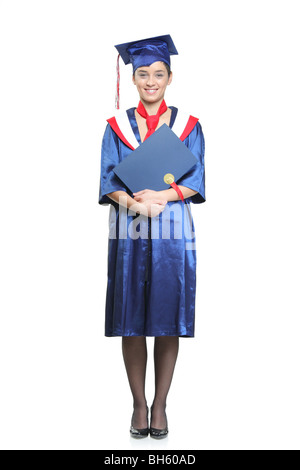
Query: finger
x=139, y=193
x=160, y=202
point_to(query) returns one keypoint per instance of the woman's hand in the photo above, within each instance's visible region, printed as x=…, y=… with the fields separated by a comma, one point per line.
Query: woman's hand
x=150, y=201
x=146, y=195
x=151, y=207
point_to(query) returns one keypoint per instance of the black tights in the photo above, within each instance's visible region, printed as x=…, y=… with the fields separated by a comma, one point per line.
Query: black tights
x=135, y=358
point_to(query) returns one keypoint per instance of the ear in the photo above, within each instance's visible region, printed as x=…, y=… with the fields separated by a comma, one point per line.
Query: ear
x=170, y=78
x=133, y=79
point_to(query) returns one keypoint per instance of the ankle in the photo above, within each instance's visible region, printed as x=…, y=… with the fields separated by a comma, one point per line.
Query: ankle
x=159, y=404
x=139, y=404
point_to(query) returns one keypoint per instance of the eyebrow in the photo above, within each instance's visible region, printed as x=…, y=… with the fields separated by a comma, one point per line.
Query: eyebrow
x=156, y=71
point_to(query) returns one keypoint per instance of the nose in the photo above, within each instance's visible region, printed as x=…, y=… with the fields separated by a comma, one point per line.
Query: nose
x=150, y=80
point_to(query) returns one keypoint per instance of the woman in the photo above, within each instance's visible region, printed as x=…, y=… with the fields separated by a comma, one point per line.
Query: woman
x=151, y=280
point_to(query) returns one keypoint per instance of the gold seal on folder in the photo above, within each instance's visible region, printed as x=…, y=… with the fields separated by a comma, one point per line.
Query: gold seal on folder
x=169, y=178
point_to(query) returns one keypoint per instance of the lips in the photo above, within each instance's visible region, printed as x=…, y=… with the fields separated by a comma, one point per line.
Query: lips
x=150, y=91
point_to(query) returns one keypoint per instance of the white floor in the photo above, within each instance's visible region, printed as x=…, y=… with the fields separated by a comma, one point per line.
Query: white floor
x=216, y=402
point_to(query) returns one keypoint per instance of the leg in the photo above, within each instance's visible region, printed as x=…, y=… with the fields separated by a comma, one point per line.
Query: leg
x=134, y=350
x=165, y=355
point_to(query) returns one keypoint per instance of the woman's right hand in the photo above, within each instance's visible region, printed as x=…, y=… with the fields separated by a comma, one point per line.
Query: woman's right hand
x=152, y=207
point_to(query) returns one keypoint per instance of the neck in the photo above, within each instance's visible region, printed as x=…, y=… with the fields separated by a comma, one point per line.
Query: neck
x=152, y=108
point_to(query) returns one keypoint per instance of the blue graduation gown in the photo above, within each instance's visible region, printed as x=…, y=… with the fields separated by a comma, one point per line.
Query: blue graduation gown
x=151, y=283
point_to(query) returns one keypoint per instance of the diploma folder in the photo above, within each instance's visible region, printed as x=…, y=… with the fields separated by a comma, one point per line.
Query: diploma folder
x=161, y=159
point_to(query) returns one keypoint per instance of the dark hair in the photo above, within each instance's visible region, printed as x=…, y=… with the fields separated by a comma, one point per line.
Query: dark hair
x=167, y=67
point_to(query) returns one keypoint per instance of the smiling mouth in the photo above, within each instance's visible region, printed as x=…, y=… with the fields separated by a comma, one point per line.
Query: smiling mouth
x=150, y=91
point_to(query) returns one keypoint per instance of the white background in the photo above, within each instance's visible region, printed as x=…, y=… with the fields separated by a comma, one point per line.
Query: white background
x=63, y=384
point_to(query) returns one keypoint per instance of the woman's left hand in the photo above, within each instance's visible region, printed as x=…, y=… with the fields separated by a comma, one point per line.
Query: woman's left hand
x=145, y=195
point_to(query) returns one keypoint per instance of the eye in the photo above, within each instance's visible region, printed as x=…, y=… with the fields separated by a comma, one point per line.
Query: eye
x=160, y=75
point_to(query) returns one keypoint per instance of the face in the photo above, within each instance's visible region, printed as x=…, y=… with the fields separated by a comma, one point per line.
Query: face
x=152, y=81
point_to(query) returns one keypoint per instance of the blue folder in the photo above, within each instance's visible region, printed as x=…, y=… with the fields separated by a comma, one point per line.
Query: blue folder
x=161, y=159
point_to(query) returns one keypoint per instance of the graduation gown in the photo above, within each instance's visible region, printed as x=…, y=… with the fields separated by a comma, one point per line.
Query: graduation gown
x=151, y=284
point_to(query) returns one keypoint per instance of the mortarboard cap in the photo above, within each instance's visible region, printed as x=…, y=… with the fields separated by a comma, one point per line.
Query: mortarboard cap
x=145, y=52
x=159, y=161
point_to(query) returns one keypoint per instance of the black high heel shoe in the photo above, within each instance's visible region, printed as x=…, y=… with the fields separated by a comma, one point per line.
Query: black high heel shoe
x=139, y=433
x=159, y=433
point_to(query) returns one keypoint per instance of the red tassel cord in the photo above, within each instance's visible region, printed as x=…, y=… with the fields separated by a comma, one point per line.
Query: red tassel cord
x=117, y=99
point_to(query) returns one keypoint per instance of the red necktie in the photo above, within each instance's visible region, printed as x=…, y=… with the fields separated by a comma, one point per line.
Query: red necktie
x=152, y=122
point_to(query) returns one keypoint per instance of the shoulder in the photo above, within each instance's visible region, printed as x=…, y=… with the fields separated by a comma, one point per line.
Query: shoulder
x=184, y=123
x=120, y=124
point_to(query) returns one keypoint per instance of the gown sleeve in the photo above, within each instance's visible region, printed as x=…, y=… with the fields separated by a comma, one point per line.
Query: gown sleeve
x=109, y=182
x=195, y=178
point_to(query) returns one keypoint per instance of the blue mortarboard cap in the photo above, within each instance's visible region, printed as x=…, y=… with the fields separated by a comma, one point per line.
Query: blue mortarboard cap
x=159, y=161
x=145, y=52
